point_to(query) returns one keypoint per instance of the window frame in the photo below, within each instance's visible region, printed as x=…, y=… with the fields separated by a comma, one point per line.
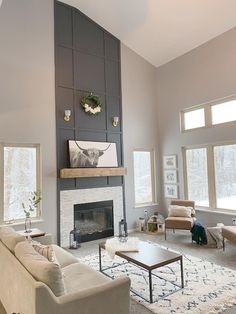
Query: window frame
x=38, y=179
x=182, y=119
x=210, y=173
x=208, y=114
x=219, y=102
x=153, y=178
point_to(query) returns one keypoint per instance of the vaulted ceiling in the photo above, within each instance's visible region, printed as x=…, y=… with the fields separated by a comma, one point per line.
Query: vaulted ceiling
x=161, y=30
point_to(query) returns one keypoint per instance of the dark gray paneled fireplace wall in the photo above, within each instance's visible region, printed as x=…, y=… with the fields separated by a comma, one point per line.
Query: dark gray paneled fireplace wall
x=87, y=60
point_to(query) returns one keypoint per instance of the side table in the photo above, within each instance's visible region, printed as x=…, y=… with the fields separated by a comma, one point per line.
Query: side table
x=33, y=234
x=38, y=235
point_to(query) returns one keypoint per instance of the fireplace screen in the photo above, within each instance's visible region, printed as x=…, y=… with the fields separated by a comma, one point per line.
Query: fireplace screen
x=94, y=220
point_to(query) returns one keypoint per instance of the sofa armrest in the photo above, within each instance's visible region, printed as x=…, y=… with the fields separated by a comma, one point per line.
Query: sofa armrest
x=111, y=297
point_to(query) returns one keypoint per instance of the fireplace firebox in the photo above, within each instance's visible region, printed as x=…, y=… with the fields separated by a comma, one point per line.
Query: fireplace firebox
x=94, y=220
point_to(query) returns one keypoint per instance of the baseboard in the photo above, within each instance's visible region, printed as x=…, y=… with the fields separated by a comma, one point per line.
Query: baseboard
x=132, y=230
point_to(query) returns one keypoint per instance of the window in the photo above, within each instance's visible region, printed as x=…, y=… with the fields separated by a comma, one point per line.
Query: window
x=144, y=177
x=210, y=177
x=194, y=119
x=196, y=164
x=224, y=112
x=20, y=178
x=209, y=114
x=225, y=176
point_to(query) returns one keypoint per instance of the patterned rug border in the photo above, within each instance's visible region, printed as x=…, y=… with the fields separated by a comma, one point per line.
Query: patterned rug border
x=214, y=302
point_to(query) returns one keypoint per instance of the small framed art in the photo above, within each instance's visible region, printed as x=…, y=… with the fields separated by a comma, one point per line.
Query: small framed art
x=170, y=162
x=171, y=191
x=170, y=176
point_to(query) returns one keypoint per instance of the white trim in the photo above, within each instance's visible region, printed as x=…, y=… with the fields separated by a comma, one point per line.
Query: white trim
x=229, y=212
x=210, y=174
x=21, y=223
x=146, y=205
x=207, y=112
x=153, y=177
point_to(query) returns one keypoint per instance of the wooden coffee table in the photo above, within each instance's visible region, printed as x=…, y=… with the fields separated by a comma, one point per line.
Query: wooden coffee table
x=149, y=257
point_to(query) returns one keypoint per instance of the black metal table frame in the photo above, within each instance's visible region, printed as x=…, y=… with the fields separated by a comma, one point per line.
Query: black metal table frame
x=150, y=274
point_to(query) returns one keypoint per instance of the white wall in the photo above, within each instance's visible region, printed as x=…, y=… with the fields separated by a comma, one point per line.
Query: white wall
x=27, y=100
x=202, y=75
x=139, y=101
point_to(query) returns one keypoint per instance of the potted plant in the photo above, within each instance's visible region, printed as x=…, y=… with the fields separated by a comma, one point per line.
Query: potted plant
x=33, y=204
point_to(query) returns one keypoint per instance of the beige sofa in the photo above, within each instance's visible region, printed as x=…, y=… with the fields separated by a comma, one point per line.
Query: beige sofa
x=229, y=233
x=79, y=288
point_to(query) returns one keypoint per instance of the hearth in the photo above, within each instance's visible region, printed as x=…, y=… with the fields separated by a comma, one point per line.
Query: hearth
x=94, y=220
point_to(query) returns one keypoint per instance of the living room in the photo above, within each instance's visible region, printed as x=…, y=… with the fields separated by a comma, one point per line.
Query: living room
x=151, y=88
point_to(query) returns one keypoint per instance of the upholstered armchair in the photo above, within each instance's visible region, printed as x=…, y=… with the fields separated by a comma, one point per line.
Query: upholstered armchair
x=229, y=233
x=181, y=216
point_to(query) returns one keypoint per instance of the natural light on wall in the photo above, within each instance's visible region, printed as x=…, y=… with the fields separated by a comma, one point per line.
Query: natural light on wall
x=224, y=112
x=194, y=119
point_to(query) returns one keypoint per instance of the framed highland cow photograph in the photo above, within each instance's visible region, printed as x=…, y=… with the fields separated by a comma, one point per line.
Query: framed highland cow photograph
x=86, y=154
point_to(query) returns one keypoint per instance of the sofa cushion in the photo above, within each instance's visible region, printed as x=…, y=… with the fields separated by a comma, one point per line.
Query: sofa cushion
x=180, y=211
x=10, y=237
x=79, y=276
x=63, y=257
x=40, y=268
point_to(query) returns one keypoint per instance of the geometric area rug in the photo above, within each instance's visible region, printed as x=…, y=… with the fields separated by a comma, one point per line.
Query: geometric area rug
x=208, y=287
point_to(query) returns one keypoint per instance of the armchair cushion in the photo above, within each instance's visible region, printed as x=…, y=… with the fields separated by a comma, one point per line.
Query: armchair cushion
x=180, y=211
x=185, y=203
x=179, y=223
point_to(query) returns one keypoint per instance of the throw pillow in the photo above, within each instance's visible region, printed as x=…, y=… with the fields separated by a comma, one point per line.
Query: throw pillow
x=44, y=250
x=180, y=211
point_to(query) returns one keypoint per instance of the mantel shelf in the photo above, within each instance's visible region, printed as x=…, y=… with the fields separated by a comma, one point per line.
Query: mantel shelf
x=68, y=173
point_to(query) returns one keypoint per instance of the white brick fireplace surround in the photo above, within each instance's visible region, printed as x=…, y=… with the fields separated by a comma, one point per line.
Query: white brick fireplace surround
x=71, y=197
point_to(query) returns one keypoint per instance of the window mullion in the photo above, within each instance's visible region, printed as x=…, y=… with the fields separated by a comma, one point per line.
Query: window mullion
x=185, y=173
x=153, y=176
x=208, y=118
x=211, y=177
x=1, y=184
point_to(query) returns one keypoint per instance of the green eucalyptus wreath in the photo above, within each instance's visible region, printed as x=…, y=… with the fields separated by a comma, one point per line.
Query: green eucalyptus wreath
x=86, y=101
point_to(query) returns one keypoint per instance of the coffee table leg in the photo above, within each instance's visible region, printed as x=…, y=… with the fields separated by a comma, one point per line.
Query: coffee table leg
x=100, y=259
x=150, y=285
x=182, y=272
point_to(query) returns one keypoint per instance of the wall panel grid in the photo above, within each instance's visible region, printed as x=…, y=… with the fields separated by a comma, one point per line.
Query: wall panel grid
x=87, y=60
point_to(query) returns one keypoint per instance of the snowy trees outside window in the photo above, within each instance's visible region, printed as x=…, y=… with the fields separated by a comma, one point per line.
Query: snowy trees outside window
x=20, y=179
x=210, y=175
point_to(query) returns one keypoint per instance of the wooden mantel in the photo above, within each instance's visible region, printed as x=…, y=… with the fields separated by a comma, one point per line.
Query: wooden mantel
x=67, y=173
